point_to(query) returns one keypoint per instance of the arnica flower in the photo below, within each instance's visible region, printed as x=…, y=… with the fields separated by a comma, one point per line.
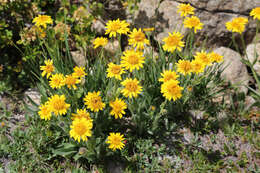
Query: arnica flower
x=214, y=57
x=116, y=26
x=171, y=90
x=137, y=39
x=204, y=58
x=42, y=20
x=168, y=75
x=94, y=102
x=132, y=88
x=118, y=108
x=81, y=113
x=58, y=105
x=197, y=66
x=45, y=112
x=115, y=141
x=81, y=129
x=132, y=59
x=193, y=22
x=57, y=80
x=184, y=67
x=115, y=71
x=237, y=24
x=79, y=72
x=71, y=81
x=255, y=13
x=48, y=68
x=185, y=9
x=100, y=41
x=173, y=41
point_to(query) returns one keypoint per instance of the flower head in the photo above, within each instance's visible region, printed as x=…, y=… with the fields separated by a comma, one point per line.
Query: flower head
x=115, y=71
x=81, y=113
x=71, y=81
x=203, y=57
x=81, y=129
x=116, y=26
x=42, y=20
x=100, y=41
x=79, y=72
x=215, y=57
x=184, y=67
x=148, y=29
x=118, y=108
x=132, y=87
x=168, y=75
x=58, y=105
x=48, y=68
x=94, y=102
x=171, y=90
x=185, y=9
x=237, y=24
x=137, y=39
x=255, y=13
x=45, y=112
x=115, y=141
x=197, y=66
x=193, y=22
x=57, y=80
x=132, y=60
x=173, y=41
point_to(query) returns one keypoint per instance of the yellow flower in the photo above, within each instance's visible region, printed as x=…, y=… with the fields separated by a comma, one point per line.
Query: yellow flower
x=81, y=129
x=81, y=113
x=255, y=13
x=148, y=29
x=132, y=88
x=132, y=60
x=215, y=57
x=115, y=141
x=171, y=90
x=42, y=20
x=79, y=72
x=116, y=26
x=193, y=22
x=168, y=75
x=118, y=108
x=115, y=71
x=45, y=112
x=100, y=41
x=58, y=105
x=173, y=41
x=185, y=9
x=57, y=80
x=237, y=24
x=197, y=66
x=48, y=68
x=184, y=67
x=137, y=39
x=204, y=58
x=94, y=102
x=71, y=81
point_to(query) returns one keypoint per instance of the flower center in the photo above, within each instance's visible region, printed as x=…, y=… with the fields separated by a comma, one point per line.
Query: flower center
x=131, y=86
x=139, y=37
x=115, y=27
x=80, y=128
x=133, y=59
x=58, y=105
x=173, y=41
x=116, y=69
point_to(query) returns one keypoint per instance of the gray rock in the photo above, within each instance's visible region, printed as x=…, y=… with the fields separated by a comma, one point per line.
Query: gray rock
x=79, y=57
x=34, y=95
x=235, y=71
x=253, y=52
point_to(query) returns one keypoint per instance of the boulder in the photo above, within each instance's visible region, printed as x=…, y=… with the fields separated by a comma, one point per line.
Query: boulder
x=253, y=53
x=235, y=71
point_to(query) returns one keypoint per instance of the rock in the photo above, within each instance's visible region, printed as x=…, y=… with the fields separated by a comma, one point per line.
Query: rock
x=99, y=27
x=214, y=14
x=112, y=47
x=79, y=57
x=253, y=52
x=249, y=101
x=34, y=95
x=235, y=71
